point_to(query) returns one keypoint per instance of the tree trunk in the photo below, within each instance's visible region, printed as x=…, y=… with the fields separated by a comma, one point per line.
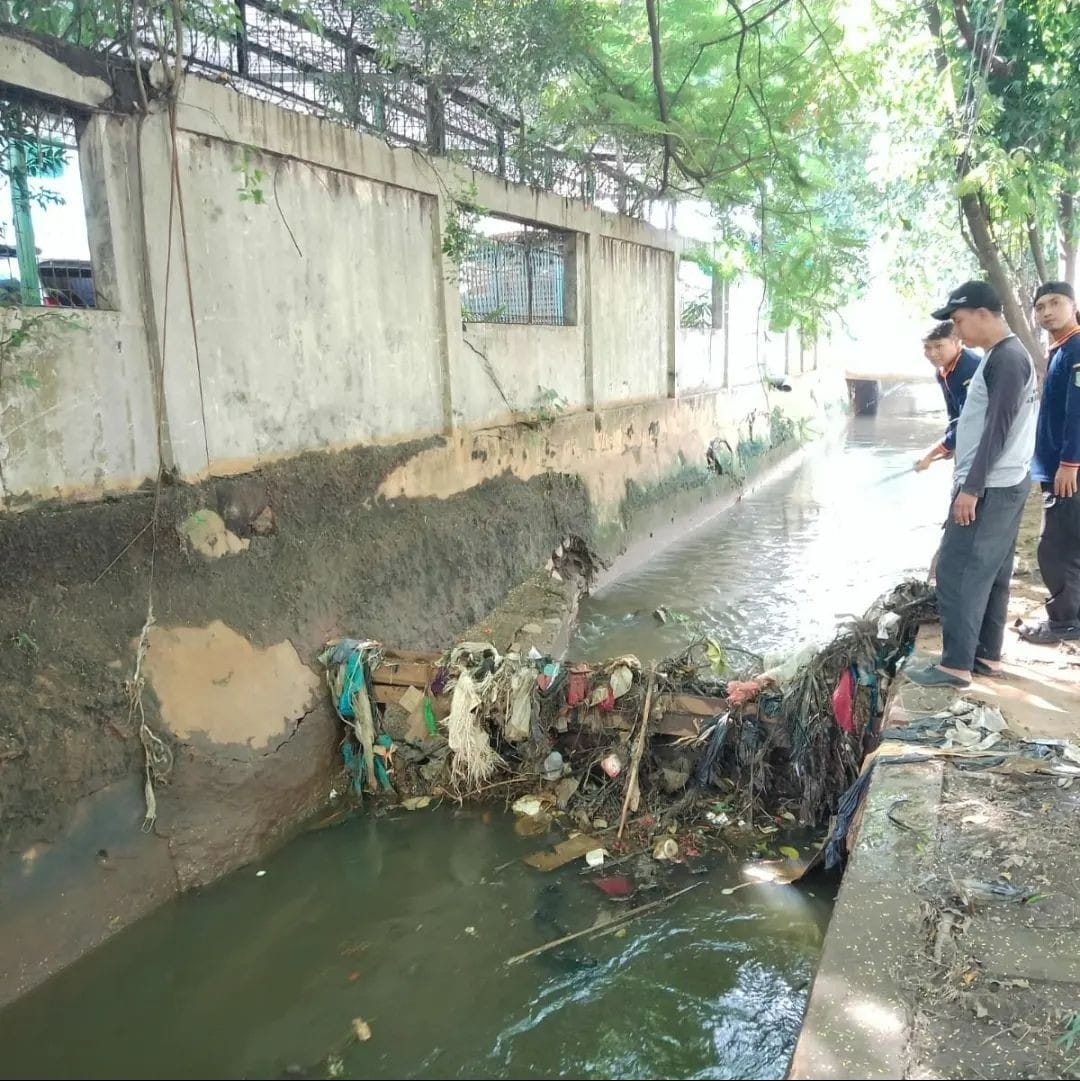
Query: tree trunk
x=1067, y=217
x=1038, y=253
x=1016, y=309
x=653, y=15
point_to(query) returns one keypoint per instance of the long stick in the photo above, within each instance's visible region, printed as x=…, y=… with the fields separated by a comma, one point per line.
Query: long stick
x=635, y=758
x=614, y=925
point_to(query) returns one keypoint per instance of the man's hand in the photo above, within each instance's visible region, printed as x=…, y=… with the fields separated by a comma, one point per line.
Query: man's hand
x=963, y=508
x=924, y=463
x=1065, y=481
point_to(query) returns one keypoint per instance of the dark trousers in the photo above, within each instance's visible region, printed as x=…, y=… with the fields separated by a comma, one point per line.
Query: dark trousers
x=1059, y=559
x=974, y=569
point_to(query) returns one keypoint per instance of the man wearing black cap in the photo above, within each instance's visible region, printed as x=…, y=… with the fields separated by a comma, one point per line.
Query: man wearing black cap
x=1057, y=459
x=995, y=437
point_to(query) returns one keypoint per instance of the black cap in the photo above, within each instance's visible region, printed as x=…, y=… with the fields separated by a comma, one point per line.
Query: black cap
x=1062, y=289
x=973, y=294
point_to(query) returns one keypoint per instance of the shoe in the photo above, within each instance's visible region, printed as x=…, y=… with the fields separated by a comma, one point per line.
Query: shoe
x=1051, y=634
x=981, y=668
x=932, y=676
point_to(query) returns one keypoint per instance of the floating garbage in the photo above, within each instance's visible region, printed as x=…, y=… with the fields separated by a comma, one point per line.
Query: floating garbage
x=553, y=766
x=666, y=849
x=595, y=857
x=528, y=805
x=611, y=764
x=587, y=741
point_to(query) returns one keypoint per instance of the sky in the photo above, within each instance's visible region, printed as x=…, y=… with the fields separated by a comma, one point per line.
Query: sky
x=59, y=229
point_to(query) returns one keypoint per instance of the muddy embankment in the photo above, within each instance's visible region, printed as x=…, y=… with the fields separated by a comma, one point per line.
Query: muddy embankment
x=250, y=576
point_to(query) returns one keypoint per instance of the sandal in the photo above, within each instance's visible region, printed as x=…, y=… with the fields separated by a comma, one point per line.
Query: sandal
x=981, y=668
x=1050, y=634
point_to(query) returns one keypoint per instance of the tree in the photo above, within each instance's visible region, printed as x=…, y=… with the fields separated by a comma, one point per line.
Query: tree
x=997, y=89
x=752, y=108
x=755, y=108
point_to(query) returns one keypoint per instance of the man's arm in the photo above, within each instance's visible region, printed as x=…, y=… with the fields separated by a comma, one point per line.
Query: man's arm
x=1065, y=482
x=934, y=454
x=945, y=448
x=952, y=407
x=1006, y=375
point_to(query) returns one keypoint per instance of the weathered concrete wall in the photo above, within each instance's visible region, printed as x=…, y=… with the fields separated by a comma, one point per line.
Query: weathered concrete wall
x=701, y=360
x=640, y=445
x=324, y=314
x=634, y=322
x=334, y=344
x=78, y=407
x=506, y=368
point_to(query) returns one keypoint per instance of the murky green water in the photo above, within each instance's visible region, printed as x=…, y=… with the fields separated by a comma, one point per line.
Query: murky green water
x=407, y=921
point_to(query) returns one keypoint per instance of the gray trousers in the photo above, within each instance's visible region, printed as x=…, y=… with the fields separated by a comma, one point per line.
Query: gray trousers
x=1059, y=559
x=975, y=566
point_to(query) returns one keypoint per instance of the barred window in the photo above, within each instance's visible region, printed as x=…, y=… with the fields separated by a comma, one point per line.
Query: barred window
x=516, y=273
x=44, y=248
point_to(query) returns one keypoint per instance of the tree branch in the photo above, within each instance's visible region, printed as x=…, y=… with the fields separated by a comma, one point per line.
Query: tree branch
x=933, y=21
x=991, y=261
x=992, y=63
x=740, y=34
x=661, y=93
x=1067, y=222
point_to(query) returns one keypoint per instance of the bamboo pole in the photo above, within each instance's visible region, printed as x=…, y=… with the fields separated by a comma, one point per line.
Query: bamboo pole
x=632, y=788
x=614, y=925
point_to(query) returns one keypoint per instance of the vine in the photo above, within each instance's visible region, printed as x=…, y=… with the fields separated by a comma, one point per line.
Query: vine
x=459, y=226
x=251, y=178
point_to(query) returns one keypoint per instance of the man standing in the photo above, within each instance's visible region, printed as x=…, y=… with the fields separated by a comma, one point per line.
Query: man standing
x=995, y=437
x=1057, y=458
x=954, y=366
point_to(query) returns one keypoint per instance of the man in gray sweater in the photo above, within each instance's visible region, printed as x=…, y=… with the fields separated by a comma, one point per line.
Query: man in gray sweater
x=995, y=439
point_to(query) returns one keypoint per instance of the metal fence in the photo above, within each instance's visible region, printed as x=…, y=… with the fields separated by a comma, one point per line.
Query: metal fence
x=37, y=144
x=517, y=277
x=330, y=66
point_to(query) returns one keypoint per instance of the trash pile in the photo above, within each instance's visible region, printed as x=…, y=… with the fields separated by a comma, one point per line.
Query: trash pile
x=603, y=741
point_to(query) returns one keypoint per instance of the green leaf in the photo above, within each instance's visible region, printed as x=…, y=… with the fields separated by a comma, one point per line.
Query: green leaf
x=791, y=853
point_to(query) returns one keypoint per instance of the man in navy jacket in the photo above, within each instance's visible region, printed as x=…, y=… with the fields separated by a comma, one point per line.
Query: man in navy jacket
x=954, y=366
x=1057, y=459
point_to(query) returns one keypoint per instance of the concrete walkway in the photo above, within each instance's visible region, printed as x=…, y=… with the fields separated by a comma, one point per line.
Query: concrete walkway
x=954, y=947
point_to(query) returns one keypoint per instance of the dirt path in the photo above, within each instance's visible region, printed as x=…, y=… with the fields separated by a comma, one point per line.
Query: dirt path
x=995, y=988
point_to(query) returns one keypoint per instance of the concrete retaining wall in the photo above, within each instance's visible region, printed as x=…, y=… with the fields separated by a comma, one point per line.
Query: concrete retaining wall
x=322, y=314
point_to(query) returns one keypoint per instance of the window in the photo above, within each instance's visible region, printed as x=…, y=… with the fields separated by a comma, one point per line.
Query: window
x=514, y=273
x=44, y=249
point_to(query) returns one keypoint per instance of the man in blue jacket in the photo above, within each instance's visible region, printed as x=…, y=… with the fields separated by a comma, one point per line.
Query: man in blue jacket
x=1057, y=459
x=954, y=366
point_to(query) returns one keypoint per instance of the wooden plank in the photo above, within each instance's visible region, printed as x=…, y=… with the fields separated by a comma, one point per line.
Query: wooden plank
x=403, y=674
x=387, y=696
x=571, y=849
x=420, y=656
x=680, y=724
x=391, y=696
x=697, y=704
